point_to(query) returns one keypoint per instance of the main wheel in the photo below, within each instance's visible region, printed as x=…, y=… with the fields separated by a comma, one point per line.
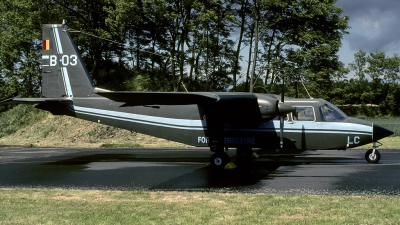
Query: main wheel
x=371, y=157
x=219, y=160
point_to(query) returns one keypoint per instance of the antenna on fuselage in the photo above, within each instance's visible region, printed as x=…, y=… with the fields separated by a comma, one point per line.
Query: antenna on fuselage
x=306, y=90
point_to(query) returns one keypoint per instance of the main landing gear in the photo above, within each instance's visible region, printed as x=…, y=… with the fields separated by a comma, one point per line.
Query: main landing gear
x=220, y=159
x=373, y=155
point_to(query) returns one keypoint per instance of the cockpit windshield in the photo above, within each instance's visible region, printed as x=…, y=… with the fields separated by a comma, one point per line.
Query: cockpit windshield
x=330, y=112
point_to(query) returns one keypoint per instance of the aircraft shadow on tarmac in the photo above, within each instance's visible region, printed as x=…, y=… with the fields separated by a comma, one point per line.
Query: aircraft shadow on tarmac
x=248, y=173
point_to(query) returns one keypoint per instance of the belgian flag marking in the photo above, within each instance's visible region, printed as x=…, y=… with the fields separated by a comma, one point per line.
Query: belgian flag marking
x=46, y=45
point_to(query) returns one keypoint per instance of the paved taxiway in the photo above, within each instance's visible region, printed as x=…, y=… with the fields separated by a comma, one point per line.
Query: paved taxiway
x=320, y=172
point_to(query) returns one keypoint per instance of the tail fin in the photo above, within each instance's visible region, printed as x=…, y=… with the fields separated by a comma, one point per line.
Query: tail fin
x=64, y=73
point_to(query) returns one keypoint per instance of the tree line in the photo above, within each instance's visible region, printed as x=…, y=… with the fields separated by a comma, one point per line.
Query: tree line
x=194, y=45
x=374, y=81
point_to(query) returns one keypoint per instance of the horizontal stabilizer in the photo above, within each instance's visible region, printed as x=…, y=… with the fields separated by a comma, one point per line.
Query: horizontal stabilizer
x=19, y=100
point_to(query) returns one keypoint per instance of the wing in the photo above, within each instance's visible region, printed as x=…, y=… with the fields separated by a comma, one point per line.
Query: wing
x=226, y=107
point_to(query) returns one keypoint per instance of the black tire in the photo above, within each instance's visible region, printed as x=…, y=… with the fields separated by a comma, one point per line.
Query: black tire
x=372, y=158
x=219, y=160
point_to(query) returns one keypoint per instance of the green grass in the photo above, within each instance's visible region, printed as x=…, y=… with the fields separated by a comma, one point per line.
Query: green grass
x=46, y=131
x=38, y=206
x=388, y=143
x=19, y=117
x=121, y=145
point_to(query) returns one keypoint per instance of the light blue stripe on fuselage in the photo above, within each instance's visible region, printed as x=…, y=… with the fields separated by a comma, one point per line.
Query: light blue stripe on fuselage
x=321, y=127
x=187, y=124
x=144, y=119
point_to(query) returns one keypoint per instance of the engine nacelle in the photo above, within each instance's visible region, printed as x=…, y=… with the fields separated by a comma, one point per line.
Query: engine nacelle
x=270, y=107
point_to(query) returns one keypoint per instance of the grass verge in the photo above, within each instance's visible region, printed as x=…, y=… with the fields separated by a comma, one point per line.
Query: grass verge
x=55, y=206
x=121, y=145
x=387, y=143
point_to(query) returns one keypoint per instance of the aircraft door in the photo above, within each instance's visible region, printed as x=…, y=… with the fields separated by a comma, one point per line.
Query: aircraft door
x=301, y=126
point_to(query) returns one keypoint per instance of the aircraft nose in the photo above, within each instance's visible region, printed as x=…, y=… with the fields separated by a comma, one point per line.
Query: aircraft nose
x=380, y=132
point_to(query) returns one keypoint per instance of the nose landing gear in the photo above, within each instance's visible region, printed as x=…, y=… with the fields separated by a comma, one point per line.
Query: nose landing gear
x=373, y=155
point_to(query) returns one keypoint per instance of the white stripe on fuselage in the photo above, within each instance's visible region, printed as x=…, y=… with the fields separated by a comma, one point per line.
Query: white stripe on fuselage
x=328, y=127
x=311, y=127
x=187, y=124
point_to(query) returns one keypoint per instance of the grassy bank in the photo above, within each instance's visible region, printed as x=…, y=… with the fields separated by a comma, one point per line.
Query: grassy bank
x=34, y=206
x=387, y=143
x=41, y=129
x=18, y=118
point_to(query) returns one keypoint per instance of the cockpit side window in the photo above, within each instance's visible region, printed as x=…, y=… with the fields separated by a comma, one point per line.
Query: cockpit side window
x=304, y=113
x=331, y=113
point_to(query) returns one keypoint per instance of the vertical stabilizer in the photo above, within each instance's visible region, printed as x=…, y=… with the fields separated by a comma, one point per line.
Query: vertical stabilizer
x=64, y=73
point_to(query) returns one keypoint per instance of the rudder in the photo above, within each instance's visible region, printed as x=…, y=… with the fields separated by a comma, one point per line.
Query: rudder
x=64, y=73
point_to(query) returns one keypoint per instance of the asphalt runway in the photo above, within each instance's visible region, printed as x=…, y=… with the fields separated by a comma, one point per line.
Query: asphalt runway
x=320, y=172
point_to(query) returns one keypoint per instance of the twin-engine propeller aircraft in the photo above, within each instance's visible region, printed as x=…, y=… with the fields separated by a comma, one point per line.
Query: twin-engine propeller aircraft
x=244, y=121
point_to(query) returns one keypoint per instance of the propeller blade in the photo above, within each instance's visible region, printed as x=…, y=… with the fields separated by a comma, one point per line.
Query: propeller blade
x=281, y=132
x=282, y=107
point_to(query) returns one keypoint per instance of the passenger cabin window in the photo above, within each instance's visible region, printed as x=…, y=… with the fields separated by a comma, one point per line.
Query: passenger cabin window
x=304, y=113
x=331, y=113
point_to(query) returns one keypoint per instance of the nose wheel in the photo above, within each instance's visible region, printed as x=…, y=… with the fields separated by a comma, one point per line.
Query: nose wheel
x=372, y=156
